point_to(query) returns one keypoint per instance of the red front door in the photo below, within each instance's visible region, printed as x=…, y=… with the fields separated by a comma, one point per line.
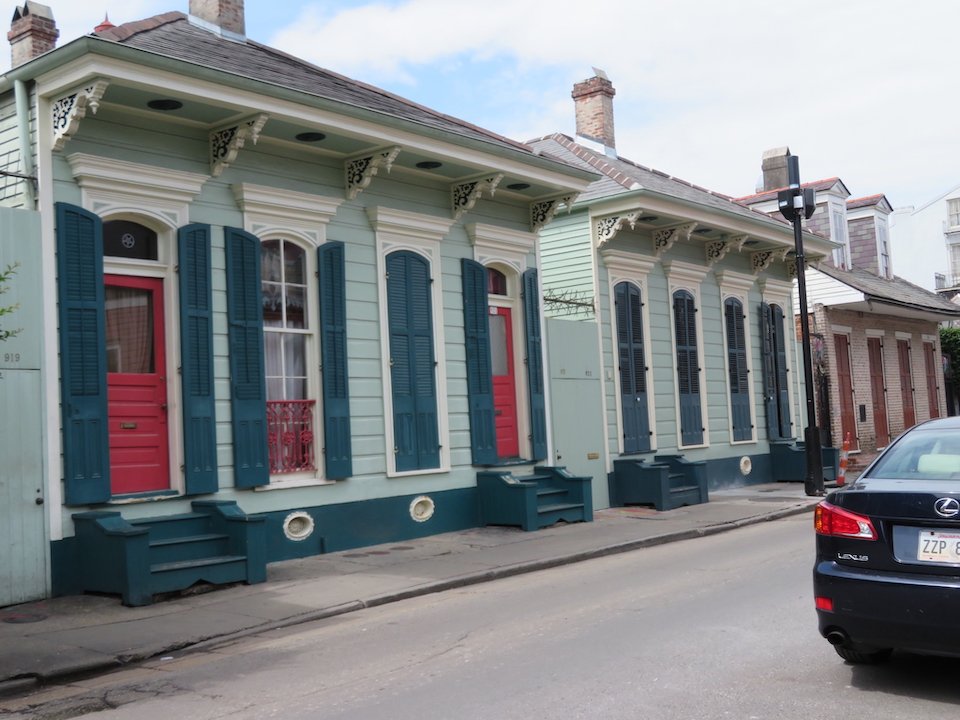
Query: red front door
x=136, y=385
x=504, y=382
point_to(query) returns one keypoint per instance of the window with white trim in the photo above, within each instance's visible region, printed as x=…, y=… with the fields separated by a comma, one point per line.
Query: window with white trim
x=289, y=344
x=953, y=213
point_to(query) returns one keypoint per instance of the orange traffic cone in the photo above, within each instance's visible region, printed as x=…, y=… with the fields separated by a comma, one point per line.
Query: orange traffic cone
x=842, y=472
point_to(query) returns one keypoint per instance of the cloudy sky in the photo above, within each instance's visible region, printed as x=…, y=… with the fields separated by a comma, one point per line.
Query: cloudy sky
x=864, y=89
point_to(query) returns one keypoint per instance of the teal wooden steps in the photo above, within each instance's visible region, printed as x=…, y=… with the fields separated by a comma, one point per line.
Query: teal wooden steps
x=547, y=496
x=669, y=482
x=216, y=543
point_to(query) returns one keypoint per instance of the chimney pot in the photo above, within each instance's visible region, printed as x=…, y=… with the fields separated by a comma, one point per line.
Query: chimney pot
x=33, y=32
x=225, y=14
x=593, y=101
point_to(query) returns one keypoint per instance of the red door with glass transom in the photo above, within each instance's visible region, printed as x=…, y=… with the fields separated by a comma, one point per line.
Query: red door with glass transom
x=504, y=382
x=136, y=385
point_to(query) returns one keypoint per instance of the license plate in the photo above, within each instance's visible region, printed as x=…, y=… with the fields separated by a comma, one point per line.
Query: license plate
x=938, y=546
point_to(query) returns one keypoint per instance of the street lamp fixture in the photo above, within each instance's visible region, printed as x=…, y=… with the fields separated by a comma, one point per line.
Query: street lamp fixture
x=797, y=203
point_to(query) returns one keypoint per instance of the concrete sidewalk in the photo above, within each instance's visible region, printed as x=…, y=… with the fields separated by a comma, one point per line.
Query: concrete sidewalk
x=54, y=639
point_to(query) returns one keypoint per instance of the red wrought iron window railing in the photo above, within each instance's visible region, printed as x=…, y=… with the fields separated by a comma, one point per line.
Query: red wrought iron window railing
x=290, y=436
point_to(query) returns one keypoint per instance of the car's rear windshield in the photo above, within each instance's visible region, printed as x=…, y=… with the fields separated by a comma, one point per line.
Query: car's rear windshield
x=929, y=454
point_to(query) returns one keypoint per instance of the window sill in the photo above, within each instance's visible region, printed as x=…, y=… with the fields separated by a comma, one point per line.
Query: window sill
x=296, y=480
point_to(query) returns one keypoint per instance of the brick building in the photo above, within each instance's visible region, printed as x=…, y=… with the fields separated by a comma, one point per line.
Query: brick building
x=876, y=345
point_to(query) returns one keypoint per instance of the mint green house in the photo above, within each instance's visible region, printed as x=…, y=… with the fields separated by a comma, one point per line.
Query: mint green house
x=674, y=305
x=267, y=312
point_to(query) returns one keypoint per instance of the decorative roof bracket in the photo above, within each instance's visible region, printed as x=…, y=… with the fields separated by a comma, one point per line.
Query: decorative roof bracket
x=716, y=250
x=360, y=170
x=464, y=195
x=608, y=227
x=542, y=211
x=226, y=143
x=737, y=242
x=70, y=109
x=663, y=240
x=760, y=261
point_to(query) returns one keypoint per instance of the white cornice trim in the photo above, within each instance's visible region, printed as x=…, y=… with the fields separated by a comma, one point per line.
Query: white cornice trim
x=677, y=270
x=492, y=243
x=410, y=224
x=285, y=204
x=626, y=264
x=93, y=172
x=734, y=280
x=782, y=287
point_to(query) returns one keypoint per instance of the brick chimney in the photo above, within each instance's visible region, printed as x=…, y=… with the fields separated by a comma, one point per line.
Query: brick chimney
x=774, y=167
x=32, y=32
x=593, y=100
x=227, y=15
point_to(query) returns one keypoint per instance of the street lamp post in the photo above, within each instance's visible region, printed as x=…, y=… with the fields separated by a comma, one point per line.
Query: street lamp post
x=795, y=204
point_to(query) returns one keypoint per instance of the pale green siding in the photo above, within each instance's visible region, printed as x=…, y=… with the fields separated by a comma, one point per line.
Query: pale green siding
x=276, y=165
x=23, y=547
x=567, y=259
x=12, y=189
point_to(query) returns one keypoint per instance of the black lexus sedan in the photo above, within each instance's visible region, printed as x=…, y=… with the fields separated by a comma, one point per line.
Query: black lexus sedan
x=887, y=572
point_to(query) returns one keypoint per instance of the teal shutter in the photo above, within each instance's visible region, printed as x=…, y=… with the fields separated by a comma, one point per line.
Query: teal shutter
x=738, y=375
x=768, y=355
x=83, y=361
x=333, y=352
x=688, y=368
x=247, y=382
x=783, y=389
x=196, y=360
x=483, y=435
x=412, y=363
x=632, y=366
x=538, y=413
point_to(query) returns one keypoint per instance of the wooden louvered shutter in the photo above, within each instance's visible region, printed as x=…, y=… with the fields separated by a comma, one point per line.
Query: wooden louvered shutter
x=483, y=436
x=768, y=354
x=413, y=372
x=196, y=360
x=632, y=368
x=783, y=388
x=738, y=377
x=83, y=363
x=538, y=411
x=688, y=368
x=333, y=350
x=247, y=382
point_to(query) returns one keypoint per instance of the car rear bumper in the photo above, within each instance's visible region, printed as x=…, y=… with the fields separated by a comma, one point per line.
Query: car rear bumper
x=889, y=610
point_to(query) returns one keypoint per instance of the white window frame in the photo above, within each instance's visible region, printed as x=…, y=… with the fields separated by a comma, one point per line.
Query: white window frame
x=402, y=230
x=736, y=285
x=509, y=252
x=633, y=269
x=157, y=198
x=687, y=276
x=838, y=233
x=953, y=213
x=301, y=218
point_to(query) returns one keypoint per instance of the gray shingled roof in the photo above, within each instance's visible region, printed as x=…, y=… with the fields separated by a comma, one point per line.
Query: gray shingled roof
x=895, y=291
x=621, y=175
x=173, y=35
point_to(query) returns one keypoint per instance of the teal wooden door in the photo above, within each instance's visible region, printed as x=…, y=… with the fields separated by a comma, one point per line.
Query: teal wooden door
x=23, y=538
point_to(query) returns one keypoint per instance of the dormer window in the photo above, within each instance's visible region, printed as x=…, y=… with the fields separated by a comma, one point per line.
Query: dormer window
x=838, y=232
x=953, y=213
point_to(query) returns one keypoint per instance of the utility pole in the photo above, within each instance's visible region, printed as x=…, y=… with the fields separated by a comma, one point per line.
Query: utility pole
x=796, y=204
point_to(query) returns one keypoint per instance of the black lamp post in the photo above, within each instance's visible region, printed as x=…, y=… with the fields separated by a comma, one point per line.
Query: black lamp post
x=796, y=203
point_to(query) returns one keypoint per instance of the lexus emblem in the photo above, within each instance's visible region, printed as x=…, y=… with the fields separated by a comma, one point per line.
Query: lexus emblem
x=947, y=507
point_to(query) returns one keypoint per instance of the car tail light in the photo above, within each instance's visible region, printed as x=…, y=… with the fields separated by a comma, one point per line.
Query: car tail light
x=824, y=603
x=830, y=520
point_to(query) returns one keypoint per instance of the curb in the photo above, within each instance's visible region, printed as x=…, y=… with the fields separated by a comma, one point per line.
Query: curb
x=23, y=684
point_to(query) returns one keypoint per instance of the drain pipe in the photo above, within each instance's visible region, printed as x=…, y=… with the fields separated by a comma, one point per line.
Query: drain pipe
x=26, y=152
